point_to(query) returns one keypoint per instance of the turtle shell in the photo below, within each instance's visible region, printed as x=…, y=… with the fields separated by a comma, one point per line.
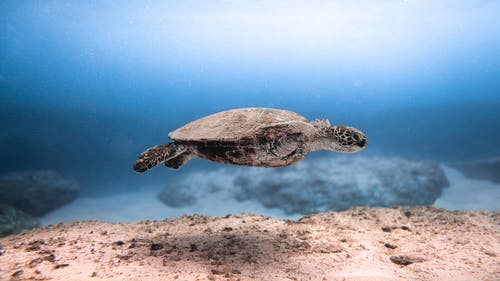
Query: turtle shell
x=233, y=125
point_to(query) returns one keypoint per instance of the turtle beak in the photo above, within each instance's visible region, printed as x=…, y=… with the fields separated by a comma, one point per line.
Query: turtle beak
x=362, y=143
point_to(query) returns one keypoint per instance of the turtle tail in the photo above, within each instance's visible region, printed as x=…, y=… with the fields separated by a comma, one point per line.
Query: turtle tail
x=156, y=155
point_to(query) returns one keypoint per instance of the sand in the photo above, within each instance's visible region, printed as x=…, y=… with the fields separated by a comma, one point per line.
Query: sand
x=404, y=243
x=468, y=194
x=145, y=205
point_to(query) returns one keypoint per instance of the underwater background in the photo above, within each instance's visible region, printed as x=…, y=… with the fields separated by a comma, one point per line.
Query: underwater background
x=86, y=86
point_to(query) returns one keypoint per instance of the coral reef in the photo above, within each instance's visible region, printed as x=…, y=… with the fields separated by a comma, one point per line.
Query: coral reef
x=317, y=185
x=37, y=192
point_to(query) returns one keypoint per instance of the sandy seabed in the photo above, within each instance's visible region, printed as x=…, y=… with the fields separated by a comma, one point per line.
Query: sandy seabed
x=403, y=243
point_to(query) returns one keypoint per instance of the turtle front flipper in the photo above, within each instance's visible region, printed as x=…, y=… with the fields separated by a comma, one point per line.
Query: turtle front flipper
x=157, y=155
x=320, y=123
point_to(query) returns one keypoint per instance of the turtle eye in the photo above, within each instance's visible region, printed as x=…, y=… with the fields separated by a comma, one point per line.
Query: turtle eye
x=355, y=136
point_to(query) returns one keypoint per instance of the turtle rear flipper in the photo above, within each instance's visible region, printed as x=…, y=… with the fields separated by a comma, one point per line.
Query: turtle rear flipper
x=157, y=155
x=179, y=161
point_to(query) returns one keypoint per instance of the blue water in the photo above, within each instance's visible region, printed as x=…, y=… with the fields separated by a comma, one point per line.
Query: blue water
x=85, y=86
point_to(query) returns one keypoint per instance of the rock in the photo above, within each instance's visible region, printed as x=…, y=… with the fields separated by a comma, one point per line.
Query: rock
x=14, y=221
x=340, y=183
x=488, y=169
x=177, y=197
x=405, y=260
x=185, y=190
x=330, y=184
x=37, y=192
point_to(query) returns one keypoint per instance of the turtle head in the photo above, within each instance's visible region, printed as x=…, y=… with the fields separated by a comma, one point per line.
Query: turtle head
x=343, y=139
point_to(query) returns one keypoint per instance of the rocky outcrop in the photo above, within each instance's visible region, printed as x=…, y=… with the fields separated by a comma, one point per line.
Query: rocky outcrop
x=487, y=169
x=316, y=185
x=14, y=221
x=37, y=192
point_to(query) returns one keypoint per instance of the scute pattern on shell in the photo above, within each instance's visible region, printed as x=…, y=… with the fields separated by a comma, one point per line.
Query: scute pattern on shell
x=233, y=125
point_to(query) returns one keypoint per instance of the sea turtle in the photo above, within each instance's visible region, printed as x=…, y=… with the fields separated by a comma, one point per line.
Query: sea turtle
x=262, y=137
